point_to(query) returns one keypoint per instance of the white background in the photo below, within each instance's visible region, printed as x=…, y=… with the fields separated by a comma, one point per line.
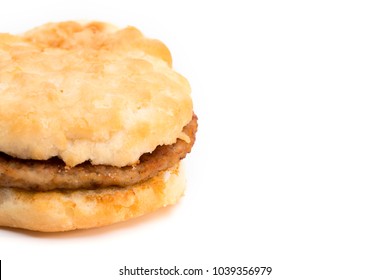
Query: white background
x=291, y=164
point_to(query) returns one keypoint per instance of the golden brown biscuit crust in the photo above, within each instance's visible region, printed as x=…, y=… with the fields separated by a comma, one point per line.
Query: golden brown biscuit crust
x=56, y=211
x=88, y=92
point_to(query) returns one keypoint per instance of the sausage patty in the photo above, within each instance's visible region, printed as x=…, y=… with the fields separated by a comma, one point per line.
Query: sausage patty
x=53, y=174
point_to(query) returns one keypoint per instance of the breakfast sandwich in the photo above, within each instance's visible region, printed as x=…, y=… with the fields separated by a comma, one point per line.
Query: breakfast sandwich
x=94, y=123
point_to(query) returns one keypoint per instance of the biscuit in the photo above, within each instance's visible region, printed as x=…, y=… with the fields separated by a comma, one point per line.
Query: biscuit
x=94, y=125
x=56, y=211
x=88, y=92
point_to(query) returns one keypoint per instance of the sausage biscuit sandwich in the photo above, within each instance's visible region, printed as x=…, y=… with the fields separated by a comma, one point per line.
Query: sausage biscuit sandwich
x=94, y=123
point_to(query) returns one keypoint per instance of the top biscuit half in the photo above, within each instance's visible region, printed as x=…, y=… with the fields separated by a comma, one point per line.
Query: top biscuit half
x=89, y=92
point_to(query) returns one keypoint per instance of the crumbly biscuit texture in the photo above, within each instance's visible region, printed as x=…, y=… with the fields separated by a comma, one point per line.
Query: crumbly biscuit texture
x=56, y=211
x=88, y=92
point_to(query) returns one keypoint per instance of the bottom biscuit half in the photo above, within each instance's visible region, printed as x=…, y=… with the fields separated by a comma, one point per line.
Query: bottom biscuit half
x=55, y=211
